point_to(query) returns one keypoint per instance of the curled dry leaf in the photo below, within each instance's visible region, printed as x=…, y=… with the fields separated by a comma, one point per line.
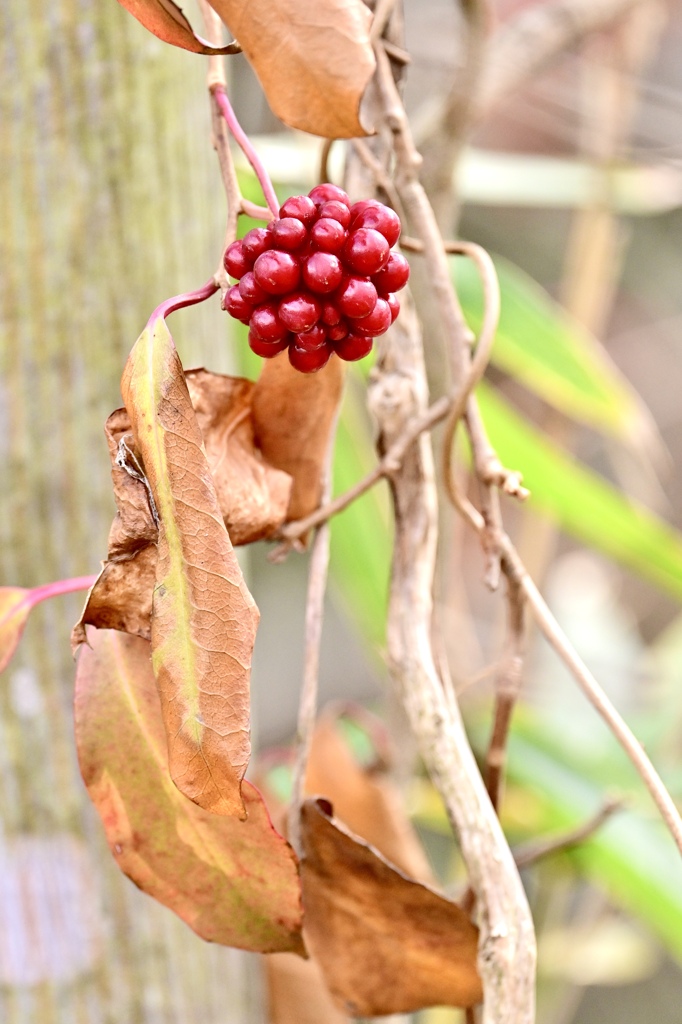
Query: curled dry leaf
x=313, y=58
x=203, y=616
x=253, y=498
x=386, y=944
x=293, y=419
x=15, y=607
x=232, y=881
x=165, y=19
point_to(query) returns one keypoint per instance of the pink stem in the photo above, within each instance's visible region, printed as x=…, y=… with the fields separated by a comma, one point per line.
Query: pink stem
x=59, y=587
x=244, y=144
x=186, y=299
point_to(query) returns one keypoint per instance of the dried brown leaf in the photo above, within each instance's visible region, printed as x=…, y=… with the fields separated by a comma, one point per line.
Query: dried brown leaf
x=165, y=19
x=15, y=608
x=386, y=944
x=293, y=418
x=203, y=616
x=232, y=881
x=313, y=58
x=253, y=498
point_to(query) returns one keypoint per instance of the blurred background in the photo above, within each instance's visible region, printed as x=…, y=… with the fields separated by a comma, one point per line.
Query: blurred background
x=110, y=201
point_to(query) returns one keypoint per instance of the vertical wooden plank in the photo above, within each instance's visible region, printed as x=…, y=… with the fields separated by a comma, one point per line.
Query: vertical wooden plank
x=110, y=201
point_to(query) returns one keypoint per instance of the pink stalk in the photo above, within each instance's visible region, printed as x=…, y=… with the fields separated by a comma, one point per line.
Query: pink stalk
x=247, y=149
x=186, y=299
x=56, y=589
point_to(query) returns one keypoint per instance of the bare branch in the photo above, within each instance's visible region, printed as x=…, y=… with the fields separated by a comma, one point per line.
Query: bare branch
x=533, y=852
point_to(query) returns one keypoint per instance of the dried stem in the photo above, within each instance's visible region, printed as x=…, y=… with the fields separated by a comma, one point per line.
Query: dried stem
x=314, y=615
x=506, y=693
x=535, y=851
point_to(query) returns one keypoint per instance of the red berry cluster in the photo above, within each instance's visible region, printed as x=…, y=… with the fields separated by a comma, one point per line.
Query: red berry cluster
x=320, y=279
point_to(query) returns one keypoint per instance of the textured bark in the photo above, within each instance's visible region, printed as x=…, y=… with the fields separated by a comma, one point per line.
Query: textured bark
x=106, y=205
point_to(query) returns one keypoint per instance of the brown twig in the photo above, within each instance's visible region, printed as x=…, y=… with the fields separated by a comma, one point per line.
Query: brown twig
x=530, y=853
x=381, y=176
x=507, y=691
x=325, y=151
x=314, y=615
x=382, y=12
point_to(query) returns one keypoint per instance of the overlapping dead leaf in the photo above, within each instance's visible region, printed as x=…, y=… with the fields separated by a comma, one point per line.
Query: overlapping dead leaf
x=232, y=881
x=166, y=20
x=385, y=943
x=313, y=58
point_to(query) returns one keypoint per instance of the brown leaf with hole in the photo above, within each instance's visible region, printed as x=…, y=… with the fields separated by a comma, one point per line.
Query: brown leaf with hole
x=385, y=943
x=313, y=58
x=253, y=499
x=366, y=801
x=233, y=882
x=203, y=616
x=165, y=19
x=293, y=418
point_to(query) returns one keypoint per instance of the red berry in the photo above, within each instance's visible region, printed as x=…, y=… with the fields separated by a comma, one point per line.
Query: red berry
x=377, y=322
x=353, y=346
x=366, y=251
x=277, y=272
x=266, y=324
x=394, y=275
x=330, y=314
x=287, y=233
x=309, y=362
x=326, y=192
x=363, y=204
x=322, y=272
x=328, y=234
x=235, y=260
x=382, y=218
x=311, y=340
x=338, y=331
x=301, y=207
x=267, y=349
x=334, y=210
x=299, y=311
x=250, y=290
x=356, y=297
x=394, y=305
x=254, y=242
x=236, y=305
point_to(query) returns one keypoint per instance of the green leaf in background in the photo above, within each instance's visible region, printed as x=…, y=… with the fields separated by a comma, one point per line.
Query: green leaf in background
x=581, y=501
x=551, y=354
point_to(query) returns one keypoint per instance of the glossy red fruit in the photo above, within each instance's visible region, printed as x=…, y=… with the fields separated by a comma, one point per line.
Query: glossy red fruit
x=311, y=340
x=393, y=276
x=309, y=362
x=378, y=321
x=267, y=349
x=366, y=251
x=326, y=192
x=353, y=346
x=254, y=242
x=301, y=207
x=287, y=233
x=266, y=324
x=330, y=314
x=338, y=331
x=322, y=272
x=362, y=204
x=251, y=291
x=382, y=219
x=334, y=210
x=328, y=235
x=235, y=261
x=299, y=311
x=236, y=305
x=393, y=304
x=277, y=272
x=356, y=297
